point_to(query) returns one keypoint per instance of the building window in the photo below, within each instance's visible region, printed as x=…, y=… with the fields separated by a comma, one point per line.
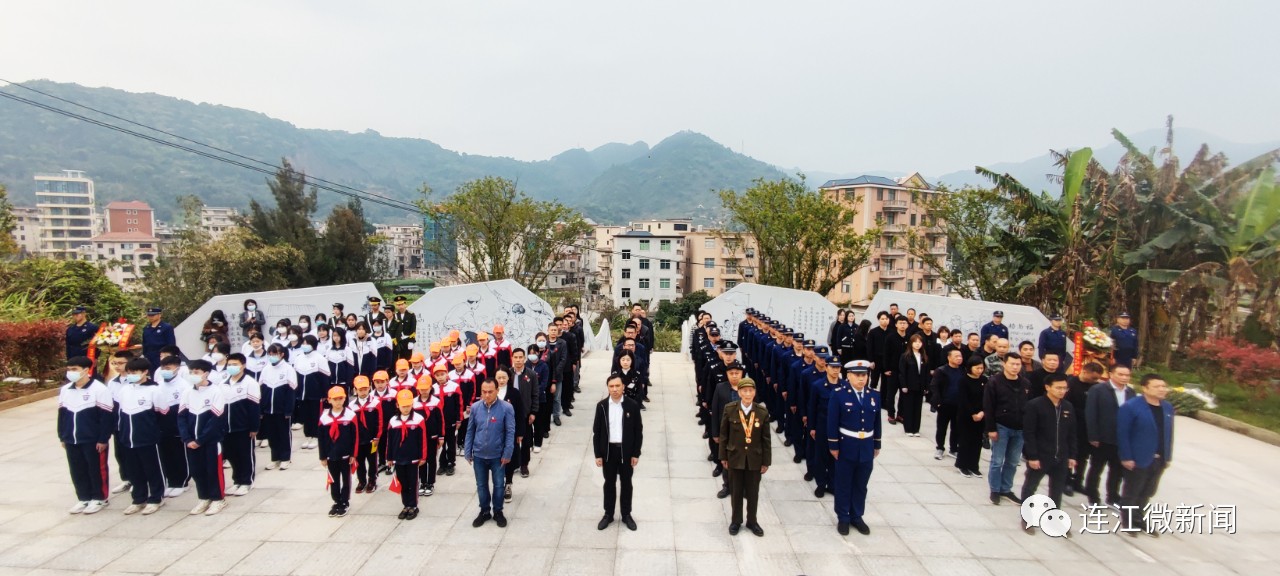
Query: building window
x=709, y=263
x=626, y=293
x=626, y=254
x=887, y=285
x=893, y=194
x=644, y=245
x=913, y=220
x=126, y=246
x=682, y=227
x=708, y=283
x=880, y=194
x=644, y=283
x=644, y=263
x=144, y=246
x=729, y=284
x=909, y=284
x=875, y=264
x=664, y=245
x=664, y=283
x=845, y=288
x=626, y=273
x=709, y=243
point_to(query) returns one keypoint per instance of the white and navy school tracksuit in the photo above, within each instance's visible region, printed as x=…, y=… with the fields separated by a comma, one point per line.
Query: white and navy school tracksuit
x=138, y=428
x=254, y=363
x=114, y=385
x=244, y=415
x=173, y=455
x=84, y=421
x=313, y=383
x=200, y=420
x=279, y=384
x=339, y=436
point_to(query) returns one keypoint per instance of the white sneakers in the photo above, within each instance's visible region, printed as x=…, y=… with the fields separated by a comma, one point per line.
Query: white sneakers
x=537, y=449
x=79, y=507
x=308, y=444
x=122, y=487
x=272, y=465
x=296, y=427
x=132, y=509
x=937, y=454
x=238, y=490
x=201, y=507
x=215, y=507
x=284, y=465
x=173, y=492
x=262, y=443
x=226, y=464
x=94, y=506
x=150, y=509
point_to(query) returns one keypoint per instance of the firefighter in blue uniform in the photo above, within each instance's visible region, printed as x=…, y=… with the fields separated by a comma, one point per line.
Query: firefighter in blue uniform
x=156, y=335
x=80, y=333
x=801, y=372
x=1054, y=340
x=853, y=437
x=821, y=466
x=781, y=357
x=1125, y=339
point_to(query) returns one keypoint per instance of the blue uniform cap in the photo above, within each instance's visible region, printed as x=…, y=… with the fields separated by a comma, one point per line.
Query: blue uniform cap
x=1124, y=315
x=998, y=313
x=819, y=349
x=154, y=310
x=79, y=310
x=858, y=366
x=728, y=346
x=1056, y=317
x=713, y=331
x=798, y=336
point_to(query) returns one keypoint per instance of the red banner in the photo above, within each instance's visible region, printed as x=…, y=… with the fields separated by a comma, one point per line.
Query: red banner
x=1077, y=360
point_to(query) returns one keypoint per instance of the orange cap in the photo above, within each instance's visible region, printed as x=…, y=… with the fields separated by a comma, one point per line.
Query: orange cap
x=416, y=357
x=435, y=347
x=498, y=329
x=402, y=364
x=472, y=349
x=381, y=376
x=423, y=382
x=482, y=336
x=361, y=381
x=454, y=335
x=457, y=360
x=439, y=367
x=404, y=398
x=337, y=393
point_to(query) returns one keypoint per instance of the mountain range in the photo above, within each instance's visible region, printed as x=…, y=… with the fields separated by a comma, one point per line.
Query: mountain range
x=613, y=183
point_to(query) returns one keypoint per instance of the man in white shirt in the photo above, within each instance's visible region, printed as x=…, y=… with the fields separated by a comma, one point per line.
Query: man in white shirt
x=616, y=436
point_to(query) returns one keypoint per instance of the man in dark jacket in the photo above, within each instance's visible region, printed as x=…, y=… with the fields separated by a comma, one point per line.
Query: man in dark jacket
x=556, y=357
x=944, y=398
x=1078, y=395
x=616, y=436
x=525, y=380
x=726, y=393
x=1049, y=364
x=895, y=343
x=1049, y=430
x=1002, y=403
x=1102, y=404
x=875, y=348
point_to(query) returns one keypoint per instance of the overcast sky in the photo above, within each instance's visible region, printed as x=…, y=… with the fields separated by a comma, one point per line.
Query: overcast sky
x=839, y=86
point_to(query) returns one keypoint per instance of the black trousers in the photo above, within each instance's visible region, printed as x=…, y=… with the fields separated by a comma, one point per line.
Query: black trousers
x=889, y=394
x=970, y=440
x=744, y=484
x=449, y=455
x=407, y=474
x=542, y=422
x=237, y=448
x=615, y=467
x=526, y=448
x=122, y=467
x=340, y=489
x=205, y=464
x=909, y=407
x=1057, y=473
x=514, y=463
x=566, y=396
x=309, y=414
x=1108, y=456
x=1084, y=450
x=946, y=419
x=428, y=473
x=173, y=462
x=1140, y=485
x=88, y=471
x=366, y=464
x=143, y=464
x=275, y=428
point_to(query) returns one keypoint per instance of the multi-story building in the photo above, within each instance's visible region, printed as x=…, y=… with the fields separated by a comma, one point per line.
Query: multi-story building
x=719, y=260
x=647, y=267
x=26, y=229
x=440, y=248
x=602, y=254
x=128, y=245
x=65, y=201
x=402, y=249
x=571, y=268
x=217, y=221
x=899, y=206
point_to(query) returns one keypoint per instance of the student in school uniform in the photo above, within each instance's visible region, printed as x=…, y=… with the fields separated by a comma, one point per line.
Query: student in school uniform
x=369, y=418
x=383, y=347
x=338, y=442
x=407, y=441
x=403, y=380
x=255, y=355
x=466, y=381
x=201, y=423
x=501, y=347
x=85, y=411
x=243, y=394
x=138, y=423
x=114, y=381
x=278, y=384
x=342, y=368
x=281, y=333
x=385, y=395
x=324, y=340
x=313, y=377
x=417, y=367
x=429, y=405
x=304, y=323
x=218, y=357
x=451, y=399
x=472, y=363
x=364, y=350
x=172, y=383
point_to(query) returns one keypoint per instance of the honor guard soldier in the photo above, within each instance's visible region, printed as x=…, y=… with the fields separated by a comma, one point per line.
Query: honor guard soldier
x=80, y=333
x=156, y=335
x=853, y=436
x=403, y=328
x=375, y=310
x=1125, y=338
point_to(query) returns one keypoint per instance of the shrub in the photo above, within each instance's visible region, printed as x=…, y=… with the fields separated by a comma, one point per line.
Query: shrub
x=1221, y=359
x=32, y=349
x=1185, y=403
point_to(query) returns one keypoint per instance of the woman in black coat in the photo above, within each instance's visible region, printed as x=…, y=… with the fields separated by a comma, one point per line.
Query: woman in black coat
x=969, y=417
x=913, y=379
x=860, y=350
x=635, y=384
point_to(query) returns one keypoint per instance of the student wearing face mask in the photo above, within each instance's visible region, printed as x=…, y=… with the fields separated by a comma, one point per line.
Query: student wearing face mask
x=85, y=424
x=201, y=423
x=364, y=351
x=313, y=379
x=341, y=362
x=382, y=346
x=304, y=324
x=218, y=358
x=279, y=385
x=171, y=381
x=295, y=338
x=138, y=420
x=281, y=334
x=251, y=319
x=255, y=355
x=244, y=417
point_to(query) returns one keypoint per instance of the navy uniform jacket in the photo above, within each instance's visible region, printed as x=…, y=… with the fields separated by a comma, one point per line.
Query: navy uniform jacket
x=992, y=328
x=85, y=415
x=1053, y=341
x=154, y=338
x=1125, y=343
x=407, y=439
x=820, y=394
x=847, y=414
x=339, y=435
x=79, y=338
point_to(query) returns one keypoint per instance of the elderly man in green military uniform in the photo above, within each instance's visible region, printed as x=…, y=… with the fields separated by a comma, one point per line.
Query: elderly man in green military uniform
x=745, y=453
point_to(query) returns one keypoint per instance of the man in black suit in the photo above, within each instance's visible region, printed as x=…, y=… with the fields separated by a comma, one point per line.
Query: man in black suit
x=616, y=436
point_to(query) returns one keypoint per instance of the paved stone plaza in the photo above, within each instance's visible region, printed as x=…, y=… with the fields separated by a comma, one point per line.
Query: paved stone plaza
x=925, y=517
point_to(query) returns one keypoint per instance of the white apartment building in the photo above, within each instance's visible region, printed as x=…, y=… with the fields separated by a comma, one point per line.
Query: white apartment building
x=646, y=267
x=65, y=201
x=217, y=221
x=26, y=229
x=402, y=249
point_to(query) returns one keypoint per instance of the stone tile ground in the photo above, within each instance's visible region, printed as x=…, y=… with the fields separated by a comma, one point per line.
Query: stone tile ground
x=926, y=518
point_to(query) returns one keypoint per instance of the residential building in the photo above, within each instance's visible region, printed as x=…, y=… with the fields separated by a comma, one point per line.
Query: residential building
x=602, y=254
x=571, y=269
x=439, y=248
x=899, y=206
x=26, y=229
x=402, y=249
x=65, y=201
x=128, y=245
x=217, y=221
x=647, y=267
x=719, y=260
x=676, y=226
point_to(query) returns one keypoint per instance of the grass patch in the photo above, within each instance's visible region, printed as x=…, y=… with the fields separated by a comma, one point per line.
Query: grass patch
x=1233, y=400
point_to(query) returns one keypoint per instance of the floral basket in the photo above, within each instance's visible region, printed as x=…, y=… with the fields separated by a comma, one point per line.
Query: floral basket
x=1092, y=345
x=111, y=337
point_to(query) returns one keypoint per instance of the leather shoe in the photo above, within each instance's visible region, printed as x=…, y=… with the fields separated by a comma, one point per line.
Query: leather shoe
x=733, y=529
x=808, y=476
x=1012, y=497
x=711, y=457
x=604, y=522
x=1068, y=490
x=755, y=529
x=798, y=459
x=995, y=498
x=786, y=443
x=718, y=471
x=567, y=412
x=723, y=493
x=629, y=522
x=843, y=528
x=819, y=492
x=861, y=527
x=481, y=519
x=500, y=519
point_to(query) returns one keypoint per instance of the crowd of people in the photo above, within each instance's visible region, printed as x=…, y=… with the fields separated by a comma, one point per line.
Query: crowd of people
x=1025, y=405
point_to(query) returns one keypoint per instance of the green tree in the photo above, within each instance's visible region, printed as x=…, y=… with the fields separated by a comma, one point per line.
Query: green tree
x=8, y=222
x=806, y=241
x=289, y=223
x=671, y=313
x=50, y=288
x=500, y=232
x=350, y=246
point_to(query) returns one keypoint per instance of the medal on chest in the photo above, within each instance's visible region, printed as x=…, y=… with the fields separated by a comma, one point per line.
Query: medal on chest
x=747, y=425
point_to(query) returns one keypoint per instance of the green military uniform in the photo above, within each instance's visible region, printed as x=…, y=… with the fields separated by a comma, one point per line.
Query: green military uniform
x=744, y=446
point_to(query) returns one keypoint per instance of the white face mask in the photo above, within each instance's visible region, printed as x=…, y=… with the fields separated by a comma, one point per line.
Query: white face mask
x=194, y=378
x=293, y=337
x=218, y=357
x=252, y=307
x=73, y=375
x=282, y=331
x=305, y=325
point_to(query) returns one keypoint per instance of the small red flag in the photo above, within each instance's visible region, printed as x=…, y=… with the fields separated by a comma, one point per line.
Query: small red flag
x=395, y=485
